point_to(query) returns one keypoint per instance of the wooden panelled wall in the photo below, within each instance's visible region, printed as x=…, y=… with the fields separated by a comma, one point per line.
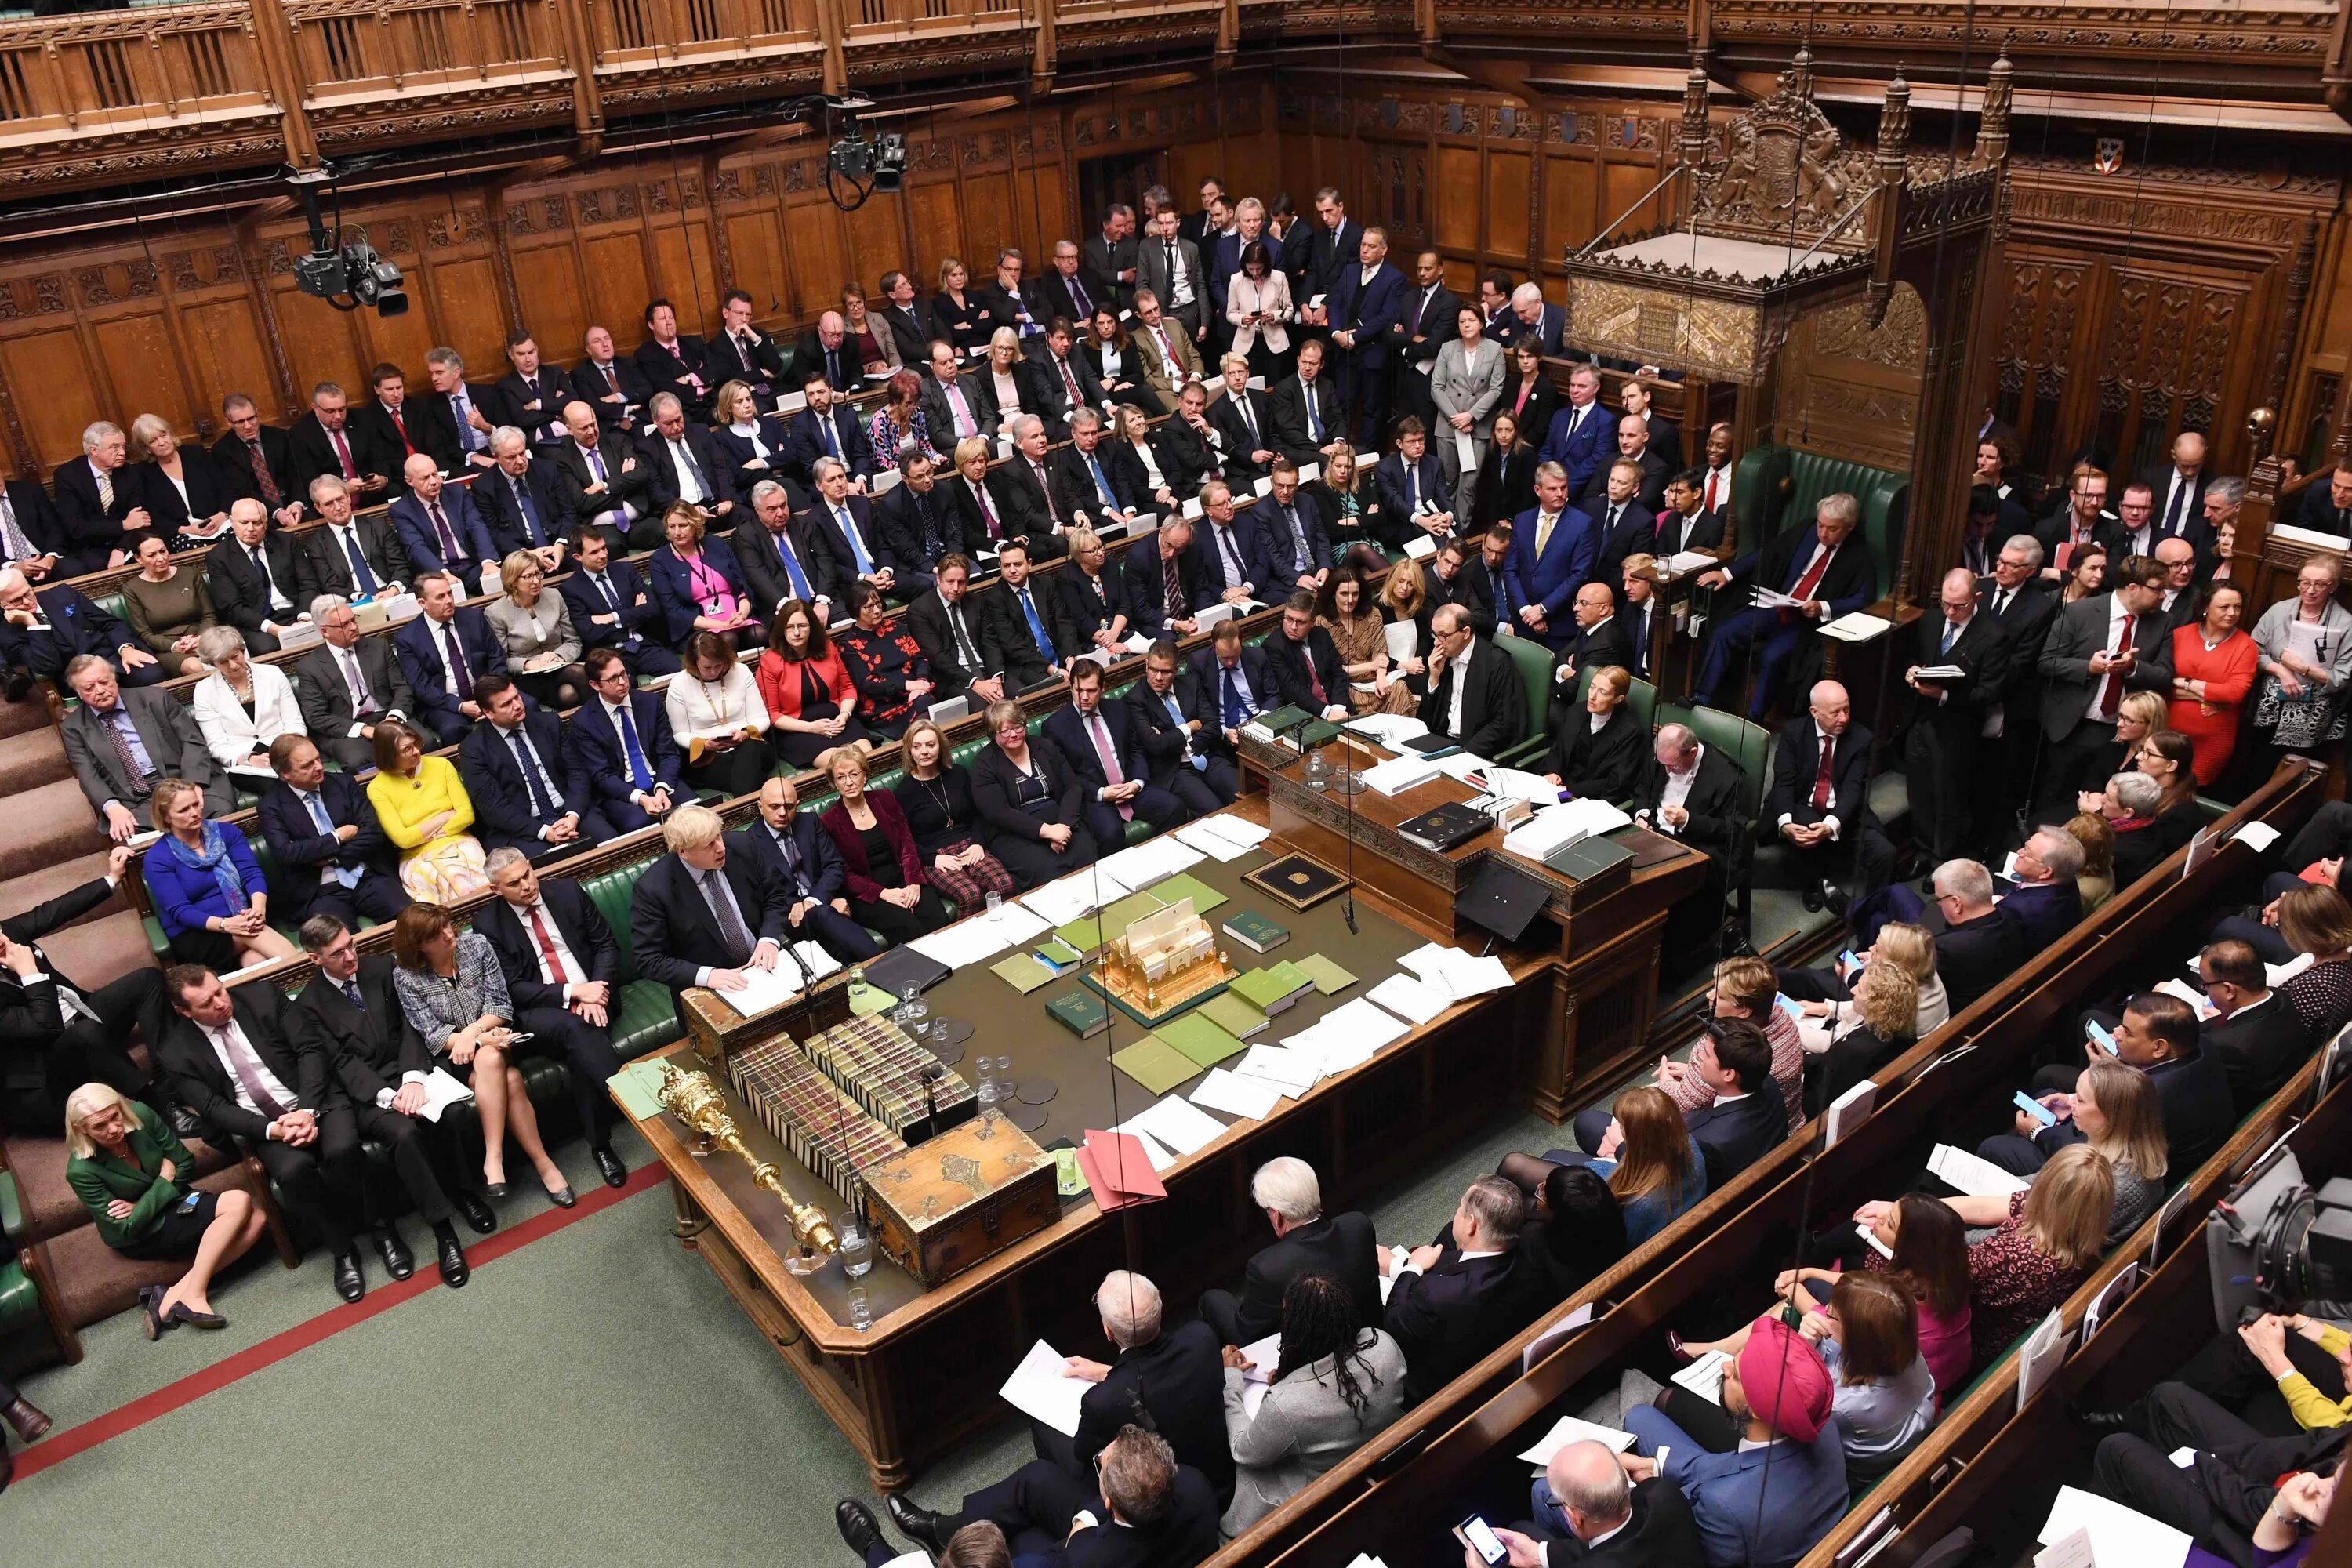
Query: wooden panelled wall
x=170, y=318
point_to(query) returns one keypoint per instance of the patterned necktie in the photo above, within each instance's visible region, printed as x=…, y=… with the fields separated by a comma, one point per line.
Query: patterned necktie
x=105, y=489
x=449, y=551
x=122, y=752
x=1822, y=774
x=1172, y=586
x=263, y=478
x=248, y=1068
x=543, y=804
x=19, y=547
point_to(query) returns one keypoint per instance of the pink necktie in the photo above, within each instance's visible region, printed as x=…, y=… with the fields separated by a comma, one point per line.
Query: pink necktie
x=1109, y=754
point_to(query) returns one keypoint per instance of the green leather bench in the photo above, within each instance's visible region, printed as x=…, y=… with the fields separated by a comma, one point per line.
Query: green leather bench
x=1777, y=487
x=21, y=1306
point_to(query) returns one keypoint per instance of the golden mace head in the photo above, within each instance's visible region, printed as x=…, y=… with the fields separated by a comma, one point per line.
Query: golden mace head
x=695, y=1099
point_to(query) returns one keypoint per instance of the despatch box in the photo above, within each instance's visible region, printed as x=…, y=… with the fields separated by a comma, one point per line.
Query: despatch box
x=952, y=1200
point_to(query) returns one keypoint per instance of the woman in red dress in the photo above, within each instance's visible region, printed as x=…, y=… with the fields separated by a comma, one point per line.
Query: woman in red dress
x=2214, y=663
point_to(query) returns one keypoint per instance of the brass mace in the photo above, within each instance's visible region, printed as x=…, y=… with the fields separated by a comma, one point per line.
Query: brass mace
x=693, y=1098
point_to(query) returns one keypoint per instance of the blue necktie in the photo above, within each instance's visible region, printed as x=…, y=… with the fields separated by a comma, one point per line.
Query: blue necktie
x=352, y=990
x=527, y=759
x=1200, y=763
x=1314, y=418
x=531, y=512
x=793, y=569
x=640, y=774
x=1951, y=636
x=1237, y=711
x=857, y=544
x=1102, y=485
x=360, y=572
x=348, y=876
x=1036, y=627
x=792, y=856
x=832, y=436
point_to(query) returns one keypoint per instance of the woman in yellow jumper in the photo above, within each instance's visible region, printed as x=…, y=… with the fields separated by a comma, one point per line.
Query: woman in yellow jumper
x=426, y=810
x=2266, y=1340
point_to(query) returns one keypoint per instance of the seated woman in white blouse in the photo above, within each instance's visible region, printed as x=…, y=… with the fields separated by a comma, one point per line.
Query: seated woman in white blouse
x=241, y=706
x=754, y=442
x=1004, y=377
x=720, y=719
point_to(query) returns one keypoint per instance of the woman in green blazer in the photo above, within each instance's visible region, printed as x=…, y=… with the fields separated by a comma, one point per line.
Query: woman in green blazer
x=137, y=1179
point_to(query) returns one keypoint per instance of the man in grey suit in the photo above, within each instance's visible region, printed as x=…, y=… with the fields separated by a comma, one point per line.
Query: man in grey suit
x=348, y=684
x=121, y=742
x=1171, y=267
x=955, y=405
x=2098, y=649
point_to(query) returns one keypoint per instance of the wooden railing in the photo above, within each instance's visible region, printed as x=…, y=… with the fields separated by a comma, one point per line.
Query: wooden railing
x=219, y=84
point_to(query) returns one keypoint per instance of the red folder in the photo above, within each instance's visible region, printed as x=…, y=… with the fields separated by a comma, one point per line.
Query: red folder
x=1118, y=1170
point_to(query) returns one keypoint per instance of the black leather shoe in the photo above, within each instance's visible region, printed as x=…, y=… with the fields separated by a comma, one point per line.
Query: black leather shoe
x=2108, y=1423
x=477, y=1213
x=151, y=1298
x=453, y=1272
x=398, y=1261
x=1810, y=897
x=184, y=1120
x=920, y=1524
x=616, y=1174
x=20, y=683
x=1833, y=898
x=350, y=1283
x=32, y=1426
x=564, y=1197
x=858, y=1528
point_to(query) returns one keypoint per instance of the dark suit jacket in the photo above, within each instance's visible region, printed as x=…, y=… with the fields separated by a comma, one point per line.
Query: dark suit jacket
x=2042, y=913
x=820, y=521
x=1026, y=663
x=302, y=852
x=760, y=364
x=395, y=439
x=77, y=625
x=30, y=1019
x=379, y=547
x=2026, y=623
x=911, y=326
x=1593, y=648
x=928, y=619
x=1982, y=649
x=234, y=462
x=1846, y=584
x=593, y=749
x=1732, y=1137
x=1796, y=765
x=1216, y=570
x=1494, y=710
x=1975, y=955
x=823, y=876
x=200, y=1083
x=1661, y=1534
x=1369, y=310
x=2259, y=1048
x=1636, y=529
x=939, y=419
x=762, y=564
x=419, y=654
x=38, y=518
x=1074, y=483
x=1396, y=493
x=2317, y=510
x=93, y=529
x=1156, y=734
x=511, y=396
x=1025, y=500
x=1083, y=606
x=1577, y=443
x=654, y=455
x=916, y=530
x=1446, y=1318
x=672, y=931
x=1278, y=563
x=807, y=443
x=326, y=696
x=1595, y=496
x=503, y=813
x=1291, y=663
x=2080, y=631
x=1178, y=1382
x=668, y=370
x=1146, y=585
x=1289, y=401
x=432, y=423
x=1605, y=766
x=1341, y=1246
x=370, y=1050
x=502, y=516
x=574, y=474
x=239, y=599
x=1719, y=814
x=1066, y=730
x=576, y=920
x=313, y=453
x=208, y=492
x=1257, y=673
x=636, y=616
x=1225, y=414
x=167, y=727
x=421, y=542
x=589, y=385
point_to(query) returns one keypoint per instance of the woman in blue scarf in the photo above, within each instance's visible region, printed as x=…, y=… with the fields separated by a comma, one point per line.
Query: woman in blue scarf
x=205, y=887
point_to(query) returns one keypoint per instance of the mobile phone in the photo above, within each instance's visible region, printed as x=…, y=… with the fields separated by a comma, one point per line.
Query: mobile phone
x=1849, y=959
x=2099, y=1033
x=2036, y=1109
x=1479, y=1536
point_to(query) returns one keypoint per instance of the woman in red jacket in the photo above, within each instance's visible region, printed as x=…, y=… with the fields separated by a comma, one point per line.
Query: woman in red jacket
x=811, y=700
x=2214, y=663
x=888, y=892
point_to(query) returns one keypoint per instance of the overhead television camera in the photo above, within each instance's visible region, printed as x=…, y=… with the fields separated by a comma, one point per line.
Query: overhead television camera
x=2274, y=1244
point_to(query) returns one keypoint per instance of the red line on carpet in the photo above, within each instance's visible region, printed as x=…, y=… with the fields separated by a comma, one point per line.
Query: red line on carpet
x=479, y=1250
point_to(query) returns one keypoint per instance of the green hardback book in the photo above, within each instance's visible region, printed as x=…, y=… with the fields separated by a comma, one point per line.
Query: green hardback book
x=1254, y=931
x=1281, y=719
x=1236, y=1017
x=1155, y=1064
x=1022, y=971
x=1200, y=1039
x=1321, y=733
x=1184, y=885
x=1294, y=975
x=1329, y=977
x=1081, y=1012
x=1271, y=990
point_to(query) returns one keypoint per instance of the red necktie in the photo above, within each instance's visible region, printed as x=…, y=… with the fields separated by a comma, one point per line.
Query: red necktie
x=1821, y=778
x=1314, y=681
x=1811, y=580
x=547, y=953
x=2111, y=691
x=343, y=454
x=402, y=428
x=1709, y=503
x=264, y=478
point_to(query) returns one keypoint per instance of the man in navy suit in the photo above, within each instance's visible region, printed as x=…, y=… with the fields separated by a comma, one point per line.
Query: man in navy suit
x=443, y=652
x=1096, y=737
x=1305, y=662
x=1546, y=324
x=1237, y=683
x=455, y=414
x=255, y=461
x=98, y=503
x=1411, y=479
x=562, y=973
x=845, y=521
x=685, y=465
x=609, y=606
x=523, y=502
x=332, y=858
x=1581, y=432
x=1226, y=546
x=613, y=387
x=1294, y=551
x=525, y=794
x=799, y=856
x=1453, y=1303
x=1633, y=446
x=1553, y=547
x=2046, y=904
x=827, y=428
x=1167, y=717
x=1684, y=523
x=440, y=528
x=32, y=539
x=1366, y=301
x=620, y=741
x=45, y=630
x=1820, y=802
x=1748, y=1119
x=1824, y=566
x=1620, y=519
x=532, y=396
x=701, y=916
x=1163, y=581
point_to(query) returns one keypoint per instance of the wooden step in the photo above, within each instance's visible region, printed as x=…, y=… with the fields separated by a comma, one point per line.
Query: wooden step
x=32, y=759
x=46, y=825
x=21, y=892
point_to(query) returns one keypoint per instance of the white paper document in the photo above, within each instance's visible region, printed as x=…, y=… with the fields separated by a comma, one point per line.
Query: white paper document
x=2255, y=836
x=1210, y=842
x=1015, y=924
x=1390, y=730
x=964, y=943
x=1291, y=1071
x=443, y=1089
x=1177, y=1122
x=2181, y=991
x=2120, y=1538
x=764, y=988
x=2278, y=975
x=1421, y=547
x=1237, y=1096
x=1038, y=1390
x=1059, y=903
x=1851, y=1109
x=815, y=962
x=1403, y=638
x=1363, y=1027
x=1978, y=1178
x=1859, y=626
x=1704, y=1376
x=1400, y=773
x=1397, y=1255
x=1571, y=1429
x=1409, y=999
x=2039, y=1359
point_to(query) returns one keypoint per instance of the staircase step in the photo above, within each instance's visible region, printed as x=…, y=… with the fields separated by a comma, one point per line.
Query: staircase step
x=102, y=950
x=33, y=713
x=47, y=824
x=21, y=892
x=32, y=759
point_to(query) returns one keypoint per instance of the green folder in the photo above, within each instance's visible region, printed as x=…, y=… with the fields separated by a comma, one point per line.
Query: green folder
x=1059, y=951
x=1087, y=932
x=1021, y=972
x=1329, y=977
x=1265, y=989
x=1183, y=885
x=1155, y=1064
x=1232, y=1014
x=638, y=1089
x=1202, y=1040
x=1294, y=979
x=865, y=1001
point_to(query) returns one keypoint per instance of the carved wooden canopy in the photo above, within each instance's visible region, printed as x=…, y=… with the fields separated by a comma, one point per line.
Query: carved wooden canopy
x=1776, y=216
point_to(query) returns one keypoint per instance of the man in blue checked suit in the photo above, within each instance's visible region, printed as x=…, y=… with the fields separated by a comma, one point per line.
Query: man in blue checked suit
x=620, y=741
x=1552, y=550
